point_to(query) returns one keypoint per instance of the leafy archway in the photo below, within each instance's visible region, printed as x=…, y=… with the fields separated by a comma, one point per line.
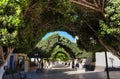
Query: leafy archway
x=41, y=16
x=60, y=56
x=58, y=50
x=23, y=23
x=47, y=46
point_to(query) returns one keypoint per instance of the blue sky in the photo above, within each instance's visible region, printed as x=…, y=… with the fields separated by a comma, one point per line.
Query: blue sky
x=61, y=33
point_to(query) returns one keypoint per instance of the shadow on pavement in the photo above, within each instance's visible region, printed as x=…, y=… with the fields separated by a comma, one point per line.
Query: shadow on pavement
x=68, y=73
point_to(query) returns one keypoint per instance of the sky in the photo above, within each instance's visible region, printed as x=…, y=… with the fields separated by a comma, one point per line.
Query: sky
x=61, y=33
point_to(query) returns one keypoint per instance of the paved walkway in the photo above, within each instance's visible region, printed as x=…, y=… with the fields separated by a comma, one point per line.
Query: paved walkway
x=62, y=72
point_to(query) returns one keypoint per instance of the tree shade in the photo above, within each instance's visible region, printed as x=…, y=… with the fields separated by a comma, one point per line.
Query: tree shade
x=55, y=43
x=23, y=23
x=86, y=21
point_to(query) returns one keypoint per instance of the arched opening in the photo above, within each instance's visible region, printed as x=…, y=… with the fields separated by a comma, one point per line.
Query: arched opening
x=58, y=50
x=60, y=56
x=49, y=42
x=46, y=48
x=32, y=19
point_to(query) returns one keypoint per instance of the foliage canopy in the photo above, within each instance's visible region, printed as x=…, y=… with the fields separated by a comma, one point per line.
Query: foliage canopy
x=24, y=22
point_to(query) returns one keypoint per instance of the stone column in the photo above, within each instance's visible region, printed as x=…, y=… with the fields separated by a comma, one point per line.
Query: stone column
x=26, y=66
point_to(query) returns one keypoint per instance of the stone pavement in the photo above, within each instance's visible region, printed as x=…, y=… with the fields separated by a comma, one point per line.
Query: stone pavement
x=62, y=72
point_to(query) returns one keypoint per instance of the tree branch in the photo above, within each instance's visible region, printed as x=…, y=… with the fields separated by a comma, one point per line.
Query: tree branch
x=91, y=28
x=29, y=8
x=9, y=52
x=2, y=54
x=96, y=3
x=110, y=49
x=117, y=37
x=87, y=5
x=103, y=4
x=85, y=2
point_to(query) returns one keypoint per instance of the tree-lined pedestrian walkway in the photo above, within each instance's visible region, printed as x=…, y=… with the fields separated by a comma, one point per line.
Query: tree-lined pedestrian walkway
x=23, y=23
x=60, y=71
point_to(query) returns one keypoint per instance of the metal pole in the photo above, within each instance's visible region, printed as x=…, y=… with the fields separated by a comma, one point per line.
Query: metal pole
x=107, y=71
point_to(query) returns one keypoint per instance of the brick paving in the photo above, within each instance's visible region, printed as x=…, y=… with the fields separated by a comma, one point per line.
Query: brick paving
x=63, y=72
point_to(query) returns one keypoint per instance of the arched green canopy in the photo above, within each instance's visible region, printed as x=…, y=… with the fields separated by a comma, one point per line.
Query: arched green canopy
x=47, y=47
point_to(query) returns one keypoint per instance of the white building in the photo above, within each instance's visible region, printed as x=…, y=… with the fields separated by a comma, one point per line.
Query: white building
x=113, y=61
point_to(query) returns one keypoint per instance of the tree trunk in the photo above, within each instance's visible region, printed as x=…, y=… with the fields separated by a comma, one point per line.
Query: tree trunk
x=110, y=49
x=95, y=7
x=4, y=59
x=1, y=71
x=1, y=62
x=1, y=55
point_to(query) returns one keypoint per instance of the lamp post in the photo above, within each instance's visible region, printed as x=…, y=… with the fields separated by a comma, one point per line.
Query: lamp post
x=93, y=42
x=107, y=71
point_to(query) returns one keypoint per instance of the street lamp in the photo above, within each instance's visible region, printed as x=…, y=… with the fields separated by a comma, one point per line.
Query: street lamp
x=107, y=71
x=93, y=42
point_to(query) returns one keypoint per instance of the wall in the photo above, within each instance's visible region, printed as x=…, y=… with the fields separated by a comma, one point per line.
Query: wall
x=112, y=60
